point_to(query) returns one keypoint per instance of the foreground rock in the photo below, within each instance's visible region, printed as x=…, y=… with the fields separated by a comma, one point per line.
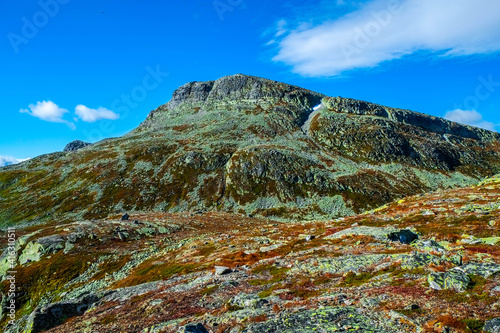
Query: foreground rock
x=198, y=328
x=404, y=236
x=453, y=279
x=492, y=326
x=55, y=314
x=34, y=250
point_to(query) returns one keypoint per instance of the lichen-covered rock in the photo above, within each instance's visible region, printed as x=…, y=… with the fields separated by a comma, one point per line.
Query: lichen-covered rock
x=492, y=326
x=380, y=233
x=418, y=259
x=484, y=269
x=428, y=245
x=34, y=250
x=343, y=264
x=328, y=319
x=452, y=279
x=269, y=248
x=252, y=301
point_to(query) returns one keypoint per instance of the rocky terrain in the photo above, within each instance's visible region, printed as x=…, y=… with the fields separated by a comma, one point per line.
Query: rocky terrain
x=216, y=272
x=252, y=146
x=249, y=205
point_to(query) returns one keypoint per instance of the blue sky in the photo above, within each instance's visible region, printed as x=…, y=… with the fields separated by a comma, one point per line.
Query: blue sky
x=88, y=70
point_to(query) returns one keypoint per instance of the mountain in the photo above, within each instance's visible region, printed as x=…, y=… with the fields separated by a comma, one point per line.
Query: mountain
x=253, y=146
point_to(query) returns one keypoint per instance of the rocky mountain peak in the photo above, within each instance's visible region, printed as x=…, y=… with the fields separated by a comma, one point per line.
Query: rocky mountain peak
x=235, y=87
x=246, y=89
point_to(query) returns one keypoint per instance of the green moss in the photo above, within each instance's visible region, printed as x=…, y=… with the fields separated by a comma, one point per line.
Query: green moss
x=352, y=279
x=231, y=307
x=258, y=282
x=111, y=266
x=46, y=278
x=412, y=313
x=268, y=292
x=400, y=273
x=474, y=325
x=477, y=282
x=209, y=290
x=149, y=272
x=277, y=273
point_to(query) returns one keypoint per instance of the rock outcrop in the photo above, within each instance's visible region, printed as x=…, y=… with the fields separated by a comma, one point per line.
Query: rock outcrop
x=76, y=145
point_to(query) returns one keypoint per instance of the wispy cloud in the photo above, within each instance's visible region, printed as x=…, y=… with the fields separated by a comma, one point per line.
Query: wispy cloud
x=281, y=28
x=470, y=117
x=92, y=115
x=8, y=160
x=48, y=111
x=383, y=30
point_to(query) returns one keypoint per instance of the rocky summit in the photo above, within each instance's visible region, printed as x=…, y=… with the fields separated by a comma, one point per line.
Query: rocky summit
x=249, y=205
x=76, y=145
x=252, y=146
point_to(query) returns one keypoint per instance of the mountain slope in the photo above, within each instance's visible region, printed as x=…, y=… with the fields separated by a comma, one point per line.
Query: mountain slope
x=158, y=272
x=249, y=145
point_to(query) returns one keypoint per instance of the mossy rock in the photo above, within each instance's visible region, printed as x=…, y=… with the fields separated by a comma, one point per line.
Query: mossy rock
x=328, y=319
x=452, y=279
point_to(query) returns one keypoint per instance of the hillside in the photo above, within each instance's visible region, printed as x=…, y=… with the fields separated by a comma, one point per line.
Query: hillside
x=257, y=147
x=216, y=272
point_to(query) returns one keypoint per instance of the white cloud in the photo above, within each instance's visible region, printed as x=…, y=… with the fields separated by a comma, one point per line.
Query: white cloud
x=383, y=30
x=48, y=111
x=8, y=160
x=470, y=117
x=92, y=115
